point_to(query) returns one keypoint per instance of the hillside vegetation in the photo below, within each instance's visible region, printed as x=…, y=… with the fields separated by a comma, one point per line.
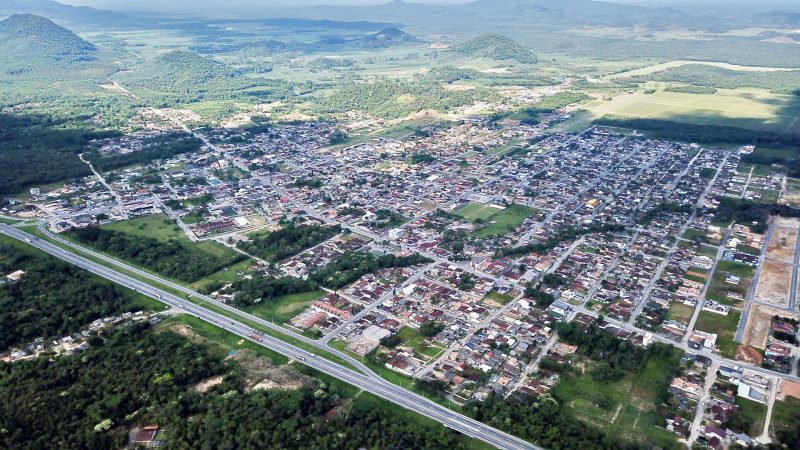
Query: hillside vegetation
x=32, y=42
x=496, y=46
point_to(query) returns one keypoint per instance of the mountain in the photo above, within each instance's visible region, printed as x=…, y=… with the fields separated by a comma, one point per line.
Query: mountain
x=389, y=37
x=496, y=46
x=72, y=15
x=35, y=42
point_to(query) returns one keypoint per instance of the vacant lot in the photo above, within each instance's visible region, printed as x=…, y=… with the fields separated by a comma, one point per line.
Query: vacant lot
x=283, y=308
x=724, y=327
x=680, y=312
x=625, y=408
x=757, y=328
x=783, y=241
x=773, y=283
x=750, y=108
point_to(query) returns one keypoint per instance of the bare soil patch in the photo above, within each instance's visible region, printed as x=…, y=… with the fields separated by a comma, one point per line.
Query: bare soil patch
x=749, y=355
x=788, y=388
x=790, y=198
x=783, y=242
x=757, y=328
x=773, y=283
x=207, y=384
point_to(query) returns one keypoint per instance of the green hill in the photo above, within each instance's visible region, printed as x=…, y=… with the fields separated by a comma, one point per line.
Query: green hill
x=389, y=37
x=495, y=46
x=32, y=42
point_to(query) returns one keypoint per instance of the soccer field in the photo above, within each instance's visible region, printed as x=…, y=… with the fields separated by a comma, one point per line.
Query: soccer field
x=750, y=108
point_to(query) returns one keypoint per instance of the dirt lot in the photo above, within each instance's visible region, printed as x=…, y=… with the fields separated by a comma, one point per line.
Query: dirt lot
x=783, y=241
x=773, y=283
x=791, y=198
x=749, y=355
x=788, y=388
x=757, y=328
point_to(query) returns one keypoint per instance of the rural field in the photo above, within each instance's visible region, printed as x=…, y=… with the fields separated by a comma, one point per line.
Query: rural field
x=750, y=108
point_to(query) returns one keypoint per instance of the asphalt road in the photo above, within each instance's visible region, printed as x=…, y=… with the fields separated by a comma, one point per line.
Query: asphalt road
x=378, y=387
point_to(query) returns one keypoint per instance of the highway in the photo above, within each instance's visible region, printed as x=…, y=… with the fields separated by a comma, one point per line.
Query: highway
x=371, y=384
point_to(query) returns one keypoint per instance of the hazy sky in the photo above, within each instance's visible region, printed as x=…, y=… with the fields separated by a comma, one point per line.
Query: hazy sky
x=190, y=5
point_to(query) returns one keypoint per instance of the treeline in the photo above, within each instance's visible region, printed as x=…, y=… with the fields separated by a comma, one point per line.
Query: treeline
x=260, y=290
x=710, y=77
x=353, y=265
x=689, y=89
x=52, y=299
x=792, y=164
x=289, y=241
x=704, y=134
x=38, y=149
x=161, y=147
x=170, y=259
x=567, y=234
x=749, y=212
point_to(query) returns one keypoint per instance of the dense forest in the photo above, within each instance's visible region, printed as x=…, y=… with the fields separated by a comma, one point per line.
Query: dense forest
x=160, y=147
x=52, y=299
x=38, y=149
x=754, y=214
x=704, y=134
x=170, y=259
x=351, y=266
x=261, y=290
x=289, y=241
x=136, y=376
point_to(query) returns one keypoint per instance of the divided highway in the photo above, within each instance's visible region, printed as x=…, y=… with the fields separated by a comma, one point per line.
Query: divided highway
x=372, y=384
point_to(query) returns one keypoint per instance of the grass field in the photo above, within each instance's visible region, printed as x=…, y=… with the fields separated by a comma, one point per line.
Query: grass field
x=750, y=108
x=625, y=408
x=285, y=307
x=504, y=221
x=785, y=415
x=411, y=338
x=475, y=211
x=496, y=297
x=755, y=413
x=680, y=312
x=724, y=327
x=163, y=229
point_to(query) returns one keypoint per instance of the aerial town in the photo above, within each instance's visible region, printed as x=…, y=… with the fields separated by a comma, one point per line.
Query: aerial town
x=517, y=233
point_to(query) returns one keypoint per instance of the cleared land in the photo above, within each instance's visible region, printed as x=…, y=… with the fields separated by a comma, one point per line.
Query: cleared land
x=773, y=284
x=757, y=328
x=749, y=108
x=783, y=242
x=285, y=307
x=680, y=312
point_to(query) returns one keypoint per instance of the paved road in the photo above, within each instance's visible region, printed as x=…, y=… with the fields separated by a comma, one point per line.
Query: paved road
x=379, y=387
x=795, y=269
x=198, y=296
